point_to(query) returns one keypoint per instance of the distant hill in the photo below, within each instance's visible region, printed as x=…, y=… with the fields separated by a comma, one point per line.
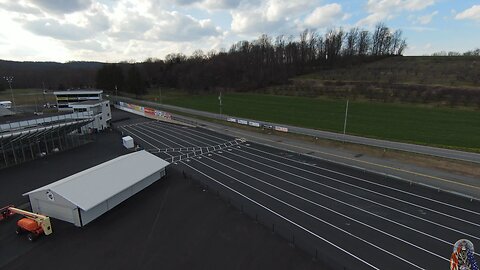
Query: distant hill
x=426, y=70
x=52, y=74
x=452, y=81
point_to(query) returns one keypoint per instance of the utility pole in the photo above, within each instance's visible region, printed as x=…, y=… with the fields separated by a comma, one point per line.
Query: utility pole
x=160, y=94
x=220, y=101
x=44, y=93
x=36, y=103
x=9, y=79
x=345, y=122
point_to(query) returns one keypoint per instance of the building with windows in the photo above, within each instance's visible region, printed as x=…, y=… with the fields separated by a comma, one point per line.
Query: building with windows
x=67, y=98
x=86, y=101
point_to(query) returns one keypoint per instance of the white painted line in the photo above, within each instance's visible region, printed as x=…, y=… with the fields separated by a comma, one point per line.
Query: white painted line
x=144, y=129
x=335, y=199
x=349, y=165
x=373, y=183
x=362, y=188
x=350, y=176
x=139, y=137
x=180, y=134
x=312, y=216
x=426, y=220
x=288, y=220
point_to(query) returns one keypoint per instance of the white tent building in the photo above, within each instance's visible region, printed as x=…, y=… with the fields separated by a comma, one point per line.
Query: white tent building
x=84, y=196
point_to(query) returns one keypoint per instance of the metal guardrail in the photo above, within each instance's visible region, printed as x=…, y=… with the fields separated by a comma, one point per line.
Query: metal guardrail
x=406, y=147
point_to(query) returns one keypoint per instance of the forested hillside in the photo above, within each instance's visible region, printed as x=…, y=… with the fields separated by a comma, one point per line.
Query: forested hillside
x=246, y=65
x=49, y=74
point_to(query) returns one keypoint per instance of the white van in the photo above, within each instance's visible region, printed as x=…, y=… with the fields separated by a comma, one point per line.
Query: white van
x=6, y=104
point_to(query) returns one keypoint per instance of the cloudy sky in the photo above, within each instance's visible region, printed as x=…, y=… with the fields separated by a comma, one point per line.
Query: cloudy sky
x=133, y=30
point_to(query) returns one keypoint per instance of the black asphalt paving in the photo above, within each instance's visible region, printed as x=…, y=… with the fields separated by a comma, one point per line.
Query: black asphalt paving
x=352, y=218
x=173, y=224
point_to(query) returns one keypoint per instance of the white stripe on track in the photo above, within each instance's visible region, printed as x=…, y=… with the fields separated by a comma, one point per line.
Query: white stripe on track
x=366, y=189
x=337, y=200
x=360, y=197
x=321, y=206
x=285, y=218
x=346, y=183
x=347, y=175
x=146, y=130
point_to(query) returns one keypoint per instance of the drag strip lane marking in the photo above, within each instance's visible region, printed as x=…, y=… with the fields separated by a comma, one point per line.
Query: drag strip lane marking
x=321, y=206
x=283, y=217
x=344, y=203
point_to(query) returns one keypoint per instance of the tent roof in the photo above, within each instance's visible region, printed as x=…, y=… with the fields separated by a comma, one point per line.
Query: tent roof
x=93, y=186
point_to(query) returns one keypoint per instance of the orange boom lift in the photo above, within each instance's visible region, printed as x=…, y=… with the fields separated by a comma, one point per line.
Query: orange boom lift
x=31, y=223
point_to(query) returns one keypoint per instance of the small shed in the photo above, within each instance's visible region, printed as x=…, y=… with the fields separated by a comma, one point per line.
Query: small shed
x=84, y=196
x=128, y=142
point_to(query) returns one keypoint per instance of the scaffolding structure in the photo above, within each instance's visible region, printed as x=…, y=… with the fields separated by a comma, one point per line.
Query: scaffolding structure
x=26, y=140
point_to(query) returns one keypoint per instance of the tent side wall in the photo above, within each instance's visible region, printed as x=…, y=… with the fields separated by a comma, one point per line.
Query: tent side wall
x=102, y=208
x=58, y=207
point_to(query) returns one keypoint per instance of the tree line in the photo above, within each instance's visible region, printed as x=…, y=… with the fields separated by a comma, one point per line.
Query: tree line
x=255, y=64
x=246, y=65
x=49, y=75
x=475, y=52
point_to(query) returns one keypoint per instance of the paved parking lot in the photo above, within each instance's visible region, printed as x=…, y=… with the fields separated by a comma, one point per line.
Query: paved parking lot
x=351, y=217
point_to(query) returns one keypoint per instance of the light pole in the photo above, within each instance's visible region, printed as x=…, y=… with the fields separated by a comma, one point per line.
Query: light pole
x=9, y=79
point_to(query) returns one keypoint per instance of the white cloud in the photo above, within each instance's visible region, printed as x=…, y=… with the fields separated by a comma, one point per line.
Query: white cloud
x=209, y=4
x=132, y=28
x=19, y=7
x=113, y=30
x=420, y=29
x=53, y=28
x=472, y=13
x=271, y=16
x=86, y=45
x=374, y=18
x=325, y=16
x=62, y=6
x=174, y=26
x=92, y=23
x=426, y=19
x=380, y=10
x=389, y=6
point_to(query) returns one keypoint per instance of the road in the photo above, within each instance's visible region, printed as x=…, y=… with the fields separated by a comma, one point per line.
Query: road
x=343, y=215
x=413, y=148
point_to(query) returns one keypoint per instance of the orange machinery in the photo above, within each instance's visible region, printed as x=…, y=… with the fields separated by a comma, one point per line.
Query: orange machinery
x=31, y=223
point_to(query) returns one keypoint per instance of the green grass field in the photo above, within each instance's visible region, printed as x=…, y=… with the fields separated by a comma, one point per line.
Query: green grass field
x=28, y=96
x=445, y=127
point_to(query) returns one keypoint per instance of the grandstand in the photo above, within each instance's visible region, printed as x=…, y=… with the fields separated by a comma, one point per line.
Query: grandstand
x=24, y=138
